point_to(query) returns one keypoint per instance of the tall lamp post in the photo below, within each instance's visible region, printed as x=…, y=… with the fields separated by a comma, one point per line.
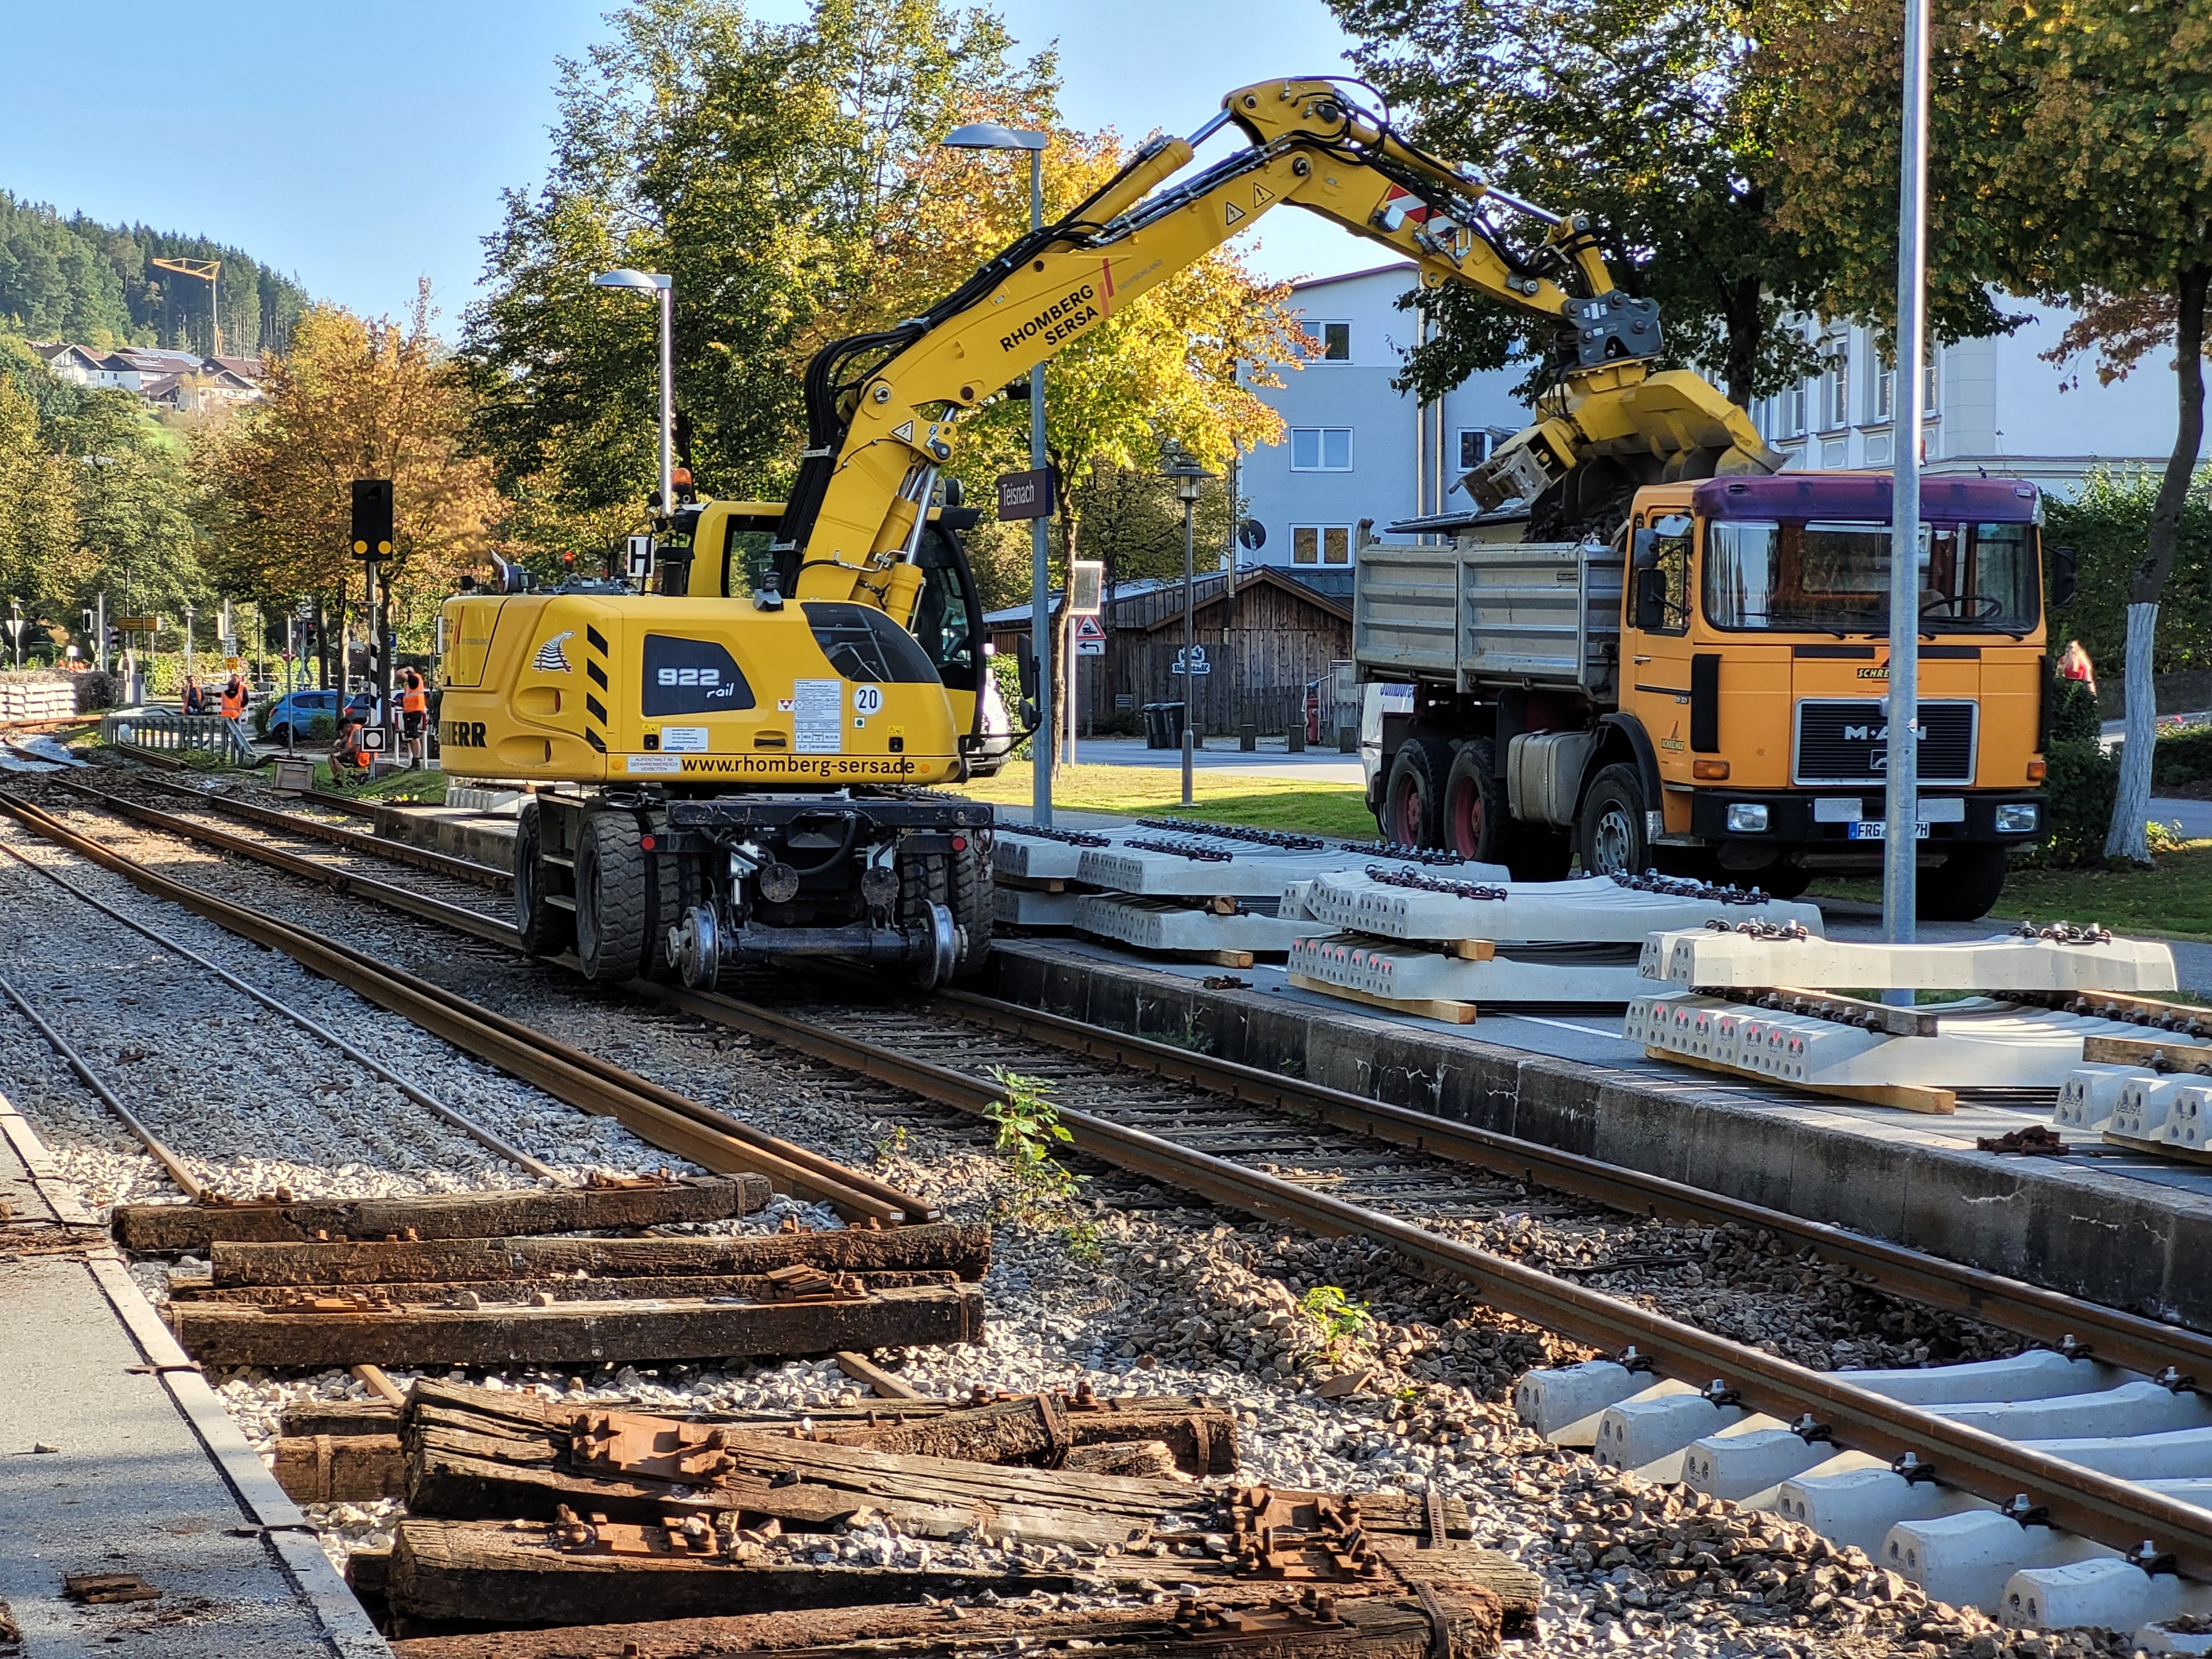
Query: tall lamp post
x=988, y=135
x=1901, y=817
x=1187, y=475
x=649, y=282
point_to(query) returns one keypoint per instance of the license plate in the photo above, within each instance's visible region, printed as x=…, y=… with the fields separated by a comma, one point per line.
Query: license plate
x=1878, y=830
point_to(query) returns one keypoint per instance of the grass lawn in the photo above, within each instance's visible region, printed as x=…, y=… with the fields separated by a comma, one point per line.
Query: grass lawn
x=1320, y=809
x=423, y=788
x=2174, y=901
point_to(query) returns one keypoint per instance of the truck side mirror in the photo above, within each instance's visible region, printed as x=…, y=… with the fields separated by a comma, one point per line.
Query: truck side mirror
x=1025, y=670
x=1646, y=553
x=2065, y=577
x=1652, y=599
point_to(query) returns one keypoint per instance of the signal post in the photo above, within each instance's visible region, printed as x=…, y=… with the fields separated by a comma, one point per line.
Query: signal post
x=371, y=543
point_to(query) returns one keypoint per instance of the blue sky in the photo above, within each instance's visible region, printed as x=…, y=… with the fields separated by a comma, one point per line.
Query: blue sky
x=360, y=147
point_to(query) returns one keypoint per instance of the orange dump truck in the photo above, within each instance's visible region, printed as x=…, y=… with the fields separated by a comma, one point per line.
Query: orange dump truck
x=1703, y=696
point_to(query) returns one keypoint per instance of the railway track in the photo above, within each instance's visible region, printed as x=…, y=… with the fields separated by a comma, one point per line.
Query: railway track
x=1185, y=1120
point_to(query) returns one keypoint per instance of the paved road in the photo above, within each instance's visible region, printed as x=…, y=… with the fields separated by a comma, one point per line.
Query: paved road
x=1271, y=760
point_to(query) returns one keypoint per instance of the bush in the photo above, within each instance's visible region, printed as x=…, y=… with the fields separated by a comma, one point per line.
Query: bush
x=322, y=728
x=2082, y=782
x=2183, y=757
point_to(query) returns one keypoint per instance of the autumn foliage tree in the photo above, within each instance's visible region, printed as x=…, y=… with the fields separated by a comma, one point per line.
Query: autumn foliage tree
x=2070, y=160
x=349, y=398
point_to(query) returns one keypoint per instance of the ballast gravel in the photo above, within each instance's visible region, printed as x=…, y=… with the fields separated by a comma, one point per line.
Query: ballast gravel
x=1124, y=1289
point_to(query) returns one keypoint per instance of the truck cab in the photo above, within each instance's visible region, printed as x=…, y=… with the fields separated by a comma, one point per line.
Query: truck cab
x=1705, y=694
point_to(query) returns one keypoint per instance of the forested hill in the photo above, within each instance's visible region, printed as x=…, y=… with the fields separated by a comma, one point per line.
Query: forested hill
x=76, y=279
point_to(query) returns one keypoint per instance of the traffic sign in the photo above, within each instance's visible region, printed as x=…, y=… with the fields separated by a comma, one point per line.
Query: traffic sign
x=1086, y=587
x=1198, y=664
x=1253, y=534
x=637, y=558
x=1089, y=638
x=139, y=624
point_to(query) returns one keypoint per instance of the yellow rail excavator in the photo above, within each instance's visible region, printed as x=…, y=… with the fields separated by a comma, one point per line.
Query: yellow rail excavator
x=733, y=768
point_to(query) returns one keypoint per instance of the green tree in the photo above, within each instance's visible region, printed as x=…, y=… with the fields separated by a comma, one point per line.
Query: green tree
x=1655, y=118
x=770, y=167
x=2068, y=151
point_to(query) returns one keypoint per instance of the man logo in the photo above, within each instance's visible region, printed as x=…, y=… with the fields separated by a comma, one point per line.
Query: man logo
x=1865, y=734
x=551, y=658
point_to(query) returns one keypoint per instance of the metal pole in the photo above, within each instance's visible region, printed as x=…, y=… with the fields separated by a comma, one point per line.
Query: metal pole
x=1901, y=828
x=1074, y=665
x=1189, y=645
x=1041, y=746
x=100, y=631
x=668, y=397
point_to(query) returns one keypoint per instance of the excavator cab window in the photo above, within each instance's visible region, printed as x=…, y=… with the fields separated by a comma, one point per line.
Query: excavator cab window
x=864, y=645
x=745, y=560
x=942, y=620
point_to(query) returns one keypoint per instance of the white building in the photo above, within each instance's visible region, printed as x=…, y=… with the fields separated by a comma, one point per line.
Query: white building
x=1356, y=448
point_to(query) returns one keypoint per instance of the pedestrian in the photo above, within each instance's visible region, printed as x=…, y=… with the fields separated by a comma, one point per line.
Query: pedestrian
x=414, y=713
x=2075, y=665
x=194, y=702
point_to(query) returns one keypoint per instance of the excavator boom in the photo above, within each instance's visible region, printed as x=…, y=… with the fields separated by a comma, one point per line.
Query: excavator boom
x=883, y=409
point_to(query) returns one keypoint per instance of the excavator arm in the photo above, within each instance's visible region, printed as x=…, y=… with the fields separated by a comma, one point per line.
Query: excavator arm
x=883, y=408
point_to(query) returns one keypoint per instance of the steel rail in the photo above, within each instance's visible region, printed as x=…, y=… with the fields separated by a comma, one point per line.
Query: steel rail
x=291, y=824
x=459, y=916
x=670, y=1120
x=2060, y=1494
x=187, y=1183
x=2113, y=1335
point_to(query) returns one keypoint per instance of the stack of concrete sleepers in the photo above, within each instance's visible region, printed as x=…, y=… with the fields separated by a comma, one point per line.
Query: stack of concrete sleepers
x=1758, y=999
x=1439, y=944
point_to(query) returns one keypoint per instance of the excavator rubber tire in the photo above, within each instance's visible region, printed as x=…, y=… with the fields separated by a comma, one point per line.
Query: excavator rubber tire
x=1412, y=812
x=611, y=902
x=962, y=883
x=545, y=929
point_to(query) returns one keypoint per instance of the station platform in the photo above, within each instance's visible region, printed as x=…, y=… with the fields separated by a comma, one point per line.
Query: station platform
x=116, y=1458
x=2114, y=1227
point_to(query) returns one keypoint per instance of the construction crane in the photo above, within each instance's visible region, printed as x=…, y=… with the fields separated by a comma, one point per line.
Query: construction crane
x=208, y=270
x=730, y=762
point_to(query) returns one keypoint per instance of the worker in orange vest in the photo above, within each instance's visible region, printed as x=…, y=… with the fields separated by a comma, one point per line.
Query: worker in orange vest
x=348, y=759
x=235, y=699
x=414, y=713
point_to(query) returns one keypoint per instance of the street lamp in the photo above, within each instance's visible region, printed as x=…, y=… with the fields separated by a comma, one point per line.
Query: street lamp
x=988, y=134
x=1188, y=476
x=647, y=281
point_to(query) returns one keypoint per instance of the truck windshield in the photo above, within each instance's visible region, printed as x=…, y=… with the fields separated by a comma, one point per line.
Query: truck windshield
x=1833, y=578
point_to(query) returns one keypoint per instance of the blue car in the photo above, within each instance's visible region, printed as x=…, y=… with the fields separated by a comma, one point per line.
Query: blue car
x=290, y=716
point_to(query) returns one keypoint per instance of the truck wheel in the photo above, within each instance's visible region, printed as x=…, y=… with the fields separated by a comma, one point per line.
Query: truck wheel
x=1963, y=886
x=962, y=883
x=611, y=924
x=1477, y=824
x=1536, y=854
x=1414, y=799
x=544, y=927
x=1610, y=832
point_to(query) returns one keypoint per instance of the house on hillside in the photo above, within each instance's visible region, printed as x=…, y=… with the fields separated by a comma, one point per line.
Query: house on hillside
x=1264, y=643
x=168, y=379
x=78, y=365
x=198, y=391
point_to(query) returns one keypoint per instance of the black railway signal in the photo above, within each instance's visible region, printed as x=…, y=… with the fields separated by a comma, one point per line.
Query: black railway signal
x=372, y=518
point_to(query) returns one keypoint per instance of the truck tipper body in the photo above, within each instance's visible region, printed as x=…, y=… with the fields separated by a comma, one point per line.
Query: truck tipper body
x=1705, y=694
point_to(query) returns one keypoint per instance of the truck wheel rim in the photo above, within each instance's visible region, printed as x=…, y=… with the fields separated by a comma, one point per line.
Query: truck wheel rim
x=1406, y=815
x=1614, y=845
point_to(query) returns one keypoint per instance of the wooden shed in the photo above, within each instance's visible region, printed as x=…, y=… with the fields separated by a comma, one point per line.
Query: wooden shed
x=1281, y=630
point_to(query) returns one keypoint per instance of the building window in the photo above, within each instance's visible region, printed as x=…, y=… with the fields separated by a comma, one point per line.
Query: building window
x=1836, y=384
x=1796, y=400
x=1328, y=343
x=1475, y=444
x=1881, y=394
x=1320, y=449
x=1321, y=543
x=1927, y=406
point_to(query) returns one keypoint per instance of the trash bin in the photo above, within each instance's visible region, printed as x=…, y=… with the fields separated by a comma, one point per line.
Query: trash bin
x=1155, y=731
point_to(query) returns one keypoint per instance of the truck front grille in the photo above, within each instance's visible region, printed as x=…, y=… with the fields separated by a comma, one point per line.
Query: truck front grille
x=1846, y=740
